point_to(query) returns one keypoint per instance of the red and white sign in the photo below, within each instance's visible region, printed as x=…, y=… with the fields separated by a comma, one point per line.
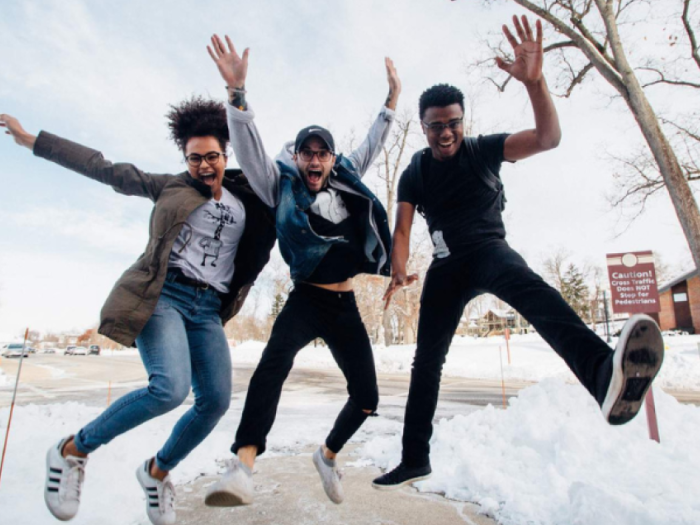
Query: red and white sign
x=633, y=282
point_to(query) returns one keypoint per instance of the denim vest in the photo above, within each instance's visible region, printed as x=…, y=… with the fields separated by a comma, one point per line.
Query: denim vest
x=301, y=248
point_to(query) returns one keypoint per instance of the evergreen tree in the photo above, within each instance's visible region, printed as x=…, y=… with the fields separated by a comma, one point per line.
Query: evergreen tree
x=575, y=291
x=277, y=306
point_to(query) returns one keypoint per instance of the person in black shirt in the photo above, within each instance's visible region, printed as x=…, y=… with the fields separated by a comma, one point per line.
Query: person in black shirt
x=455, y=184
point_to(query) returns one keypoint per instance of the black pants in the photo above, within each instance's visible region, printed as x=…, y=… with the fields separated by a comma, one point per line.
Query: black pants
x=312, y=312
x=497, y=269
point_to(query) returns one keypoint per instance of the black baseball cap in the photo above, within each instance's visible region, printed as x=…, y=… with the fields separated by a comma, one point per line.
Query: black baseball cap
x=314, y=131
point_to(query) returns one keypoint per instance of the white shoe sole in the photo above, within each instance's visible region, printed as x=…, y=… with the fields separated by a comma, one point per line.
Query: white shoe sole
x=636, y=361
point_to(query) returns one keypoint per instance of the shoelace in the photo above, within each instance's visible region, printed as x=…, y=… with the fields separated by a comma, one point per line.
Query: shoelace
x=72, y=482
x=167, y=497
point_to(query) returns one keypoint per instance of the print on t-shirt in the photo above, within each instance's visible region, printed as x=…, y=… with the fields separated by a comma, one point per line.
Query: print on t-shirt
x=212, y=245
x=441, y=250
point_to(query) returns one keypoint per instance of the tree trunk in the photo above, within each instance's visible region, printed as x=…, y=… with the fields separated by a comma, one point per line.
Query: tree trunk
x=678, y=188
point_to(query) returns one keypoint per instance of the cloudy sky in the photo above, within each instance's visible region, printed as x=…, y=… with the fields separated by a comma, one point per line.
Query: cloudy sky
x=103, y=73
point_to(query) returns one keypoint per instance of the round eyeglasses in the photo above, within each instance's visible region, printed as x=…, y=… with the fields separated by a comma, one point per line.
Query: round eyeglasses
x=195, y=160
x=323, y=155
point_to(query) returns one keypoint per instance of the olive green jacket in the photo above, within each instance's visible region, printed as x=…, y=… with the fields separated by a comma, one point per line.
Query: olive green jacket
x=134, y=296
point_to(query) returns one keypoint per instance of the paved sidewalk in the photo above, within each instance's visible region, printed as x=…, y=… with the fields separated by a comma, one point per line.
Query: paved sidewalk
x=288, y=491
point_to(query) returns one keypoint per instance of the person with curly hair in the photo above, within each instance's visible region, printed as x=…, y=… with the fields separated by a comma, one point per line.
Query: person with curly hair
x=210, y=237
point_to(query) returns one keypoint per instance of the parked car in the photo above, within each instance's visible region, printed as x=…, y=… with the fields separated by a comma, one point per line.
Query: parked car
x=14, y=350
x=69, y=350
x=48, y=351
x=94, y=350
x=79, y=350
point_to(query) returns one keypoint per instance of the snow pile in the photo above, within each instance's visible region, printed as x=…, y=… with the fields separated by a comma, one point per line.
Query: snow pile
x=5, y=379
x=551, y=459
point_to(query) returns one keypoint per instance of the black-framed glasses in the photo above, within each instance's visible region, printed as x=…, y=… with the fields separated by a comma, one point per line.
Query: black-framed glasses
x=195, y=160
x=439, y=127
x=323, y=155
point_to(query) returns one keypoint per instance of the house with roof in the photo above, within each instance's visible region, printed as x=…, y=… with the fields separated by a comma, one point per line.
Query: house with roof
x=680, y=303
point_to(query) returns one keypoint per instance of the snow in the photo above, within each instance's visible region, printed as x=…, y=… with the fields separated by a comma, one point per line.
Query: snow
x=531, y=359
x=548, y=459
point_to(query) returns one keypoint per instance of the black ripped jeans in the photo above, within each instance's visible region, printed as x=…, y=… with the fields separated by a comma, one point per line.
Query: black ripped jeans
x=312, y=312
x=497, y=269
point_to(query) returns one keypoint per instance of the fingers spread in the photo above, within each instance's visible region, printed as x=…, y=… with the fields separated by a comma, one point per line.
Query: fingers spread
x=230, y=44
x=502, y=64
x=528, y=30
x=509, y=36
x=519, y=29
x=211, y=54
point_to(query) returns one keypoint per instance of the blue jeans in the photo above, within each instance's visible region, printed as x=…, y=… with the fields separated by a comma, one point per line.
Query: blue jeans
x=183, y=343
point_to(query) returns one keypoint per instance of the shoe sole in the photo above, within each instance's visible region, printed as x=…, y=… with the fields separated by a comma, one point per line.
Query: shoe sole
x=402, y=484
x=634, y=369
x=225, y=499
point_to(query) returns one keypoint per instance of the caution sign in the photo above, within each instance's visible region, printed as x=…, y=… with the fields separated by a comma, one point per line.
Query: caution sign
x=633, y=282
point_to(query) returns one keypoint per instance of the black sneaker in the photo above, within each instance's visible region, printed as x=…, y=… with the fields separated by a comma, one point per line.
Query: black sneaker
x=636, y=361
x=401, y=476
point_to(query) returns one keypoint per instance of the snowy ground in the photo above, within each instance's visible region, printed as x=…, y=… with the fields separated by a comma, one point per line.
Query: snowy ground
x=531, y=359
x=548, y=459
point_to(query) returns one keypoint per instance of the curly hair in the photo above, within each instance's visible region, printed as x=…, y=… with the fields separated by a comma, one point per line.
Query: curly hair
x=440, y=95
x=198, y=117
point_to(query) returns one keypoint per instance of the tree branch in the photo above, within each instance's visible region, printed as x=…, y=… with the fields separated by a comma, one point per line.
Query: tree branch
x=694, y=48
x=588, y=49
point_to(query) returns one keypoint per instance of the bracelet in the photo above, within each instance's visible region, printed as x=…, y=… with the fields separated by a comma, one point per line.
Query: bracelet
x=236, y=90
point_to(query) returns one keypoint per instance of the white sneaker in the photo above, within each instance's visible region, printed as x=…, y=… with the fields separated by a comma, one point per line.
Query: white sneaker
x=160, y=496
x=636, y=361
x=329, y=476
x=234, y=488
x=64, y=478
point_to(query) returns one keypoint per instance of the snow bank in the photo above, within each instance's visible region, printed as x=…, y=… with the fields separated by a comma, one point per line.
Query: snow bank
x=550, y=458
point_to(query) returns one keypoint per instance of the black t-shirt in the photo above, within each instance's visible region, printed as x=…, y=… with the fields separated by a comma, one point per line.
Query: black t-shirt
x=344, y=259
x=460, y=209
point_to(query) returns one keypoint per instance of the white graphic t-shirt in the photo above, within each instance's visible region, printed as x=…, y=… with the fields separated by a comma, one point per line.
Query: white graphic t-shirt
x=206, y=247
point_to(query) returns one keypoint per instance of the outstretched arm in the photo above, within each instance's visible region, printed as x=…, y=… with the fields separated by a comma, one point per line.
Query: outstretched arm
x=363, y=157
x=124, y=178
x=527, y=68
x=400, y=251
x=261, y=170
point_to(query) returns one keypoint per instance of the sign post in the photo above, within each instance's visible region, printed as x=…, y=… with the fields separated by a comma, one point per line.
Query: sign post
x=634, y=290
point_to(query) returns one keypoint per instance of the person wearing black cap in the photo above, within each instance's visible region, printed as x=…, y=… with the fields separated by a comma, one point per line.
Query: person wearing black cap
x=330, y=227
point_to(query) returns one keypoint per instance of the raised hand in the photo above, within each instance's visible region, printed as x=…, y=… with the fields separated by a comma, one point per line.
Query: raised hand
x=398, y=280
x=527, y=66
x=15, y=129
x=233, y=68
x=394, y=84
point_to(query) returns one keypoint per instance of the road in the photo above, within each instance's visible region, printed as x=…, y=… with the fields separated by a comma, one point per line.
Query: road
x=94, y=379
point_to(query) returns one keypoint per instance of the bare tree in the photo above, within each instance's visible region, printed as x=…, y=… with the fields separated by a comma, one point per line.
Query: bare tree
x=392, y=161
x=589, y=39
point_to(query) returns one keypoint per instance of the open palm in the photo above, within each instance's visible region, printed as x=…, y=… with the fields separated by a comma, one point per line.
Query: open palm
x=527, y=66
x=232, y=66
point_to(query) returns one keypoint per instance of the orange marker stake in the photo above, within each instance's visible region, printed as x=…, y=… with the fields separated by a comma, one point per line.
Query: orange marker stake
x=503, y=382
x=508, y=344
x=651, y=416
x=12, y=405
x=109, y=393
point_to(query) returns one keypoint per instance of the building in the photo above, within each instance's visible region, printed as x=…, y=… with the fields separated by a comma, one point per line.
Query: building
x=680, y=303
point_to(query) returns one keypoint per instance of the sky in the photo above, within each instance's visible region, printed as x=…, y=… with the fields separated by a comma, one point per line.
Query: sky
x=103, y=74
